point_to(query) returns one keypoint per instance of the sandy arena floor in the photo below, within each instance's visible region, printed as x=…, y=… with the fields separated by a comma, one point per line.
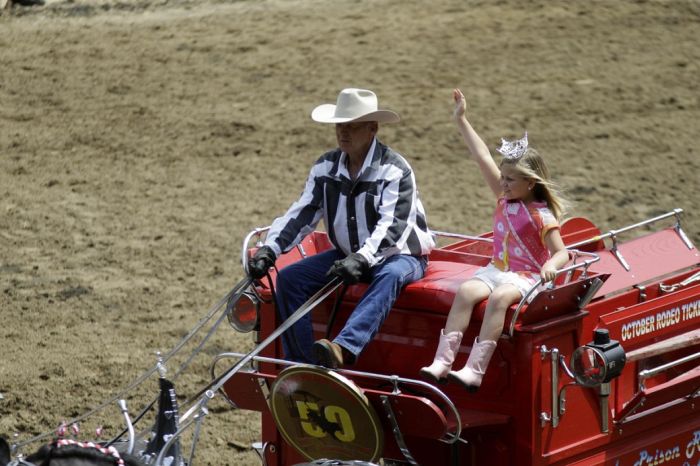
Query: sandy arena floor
x=141, y=140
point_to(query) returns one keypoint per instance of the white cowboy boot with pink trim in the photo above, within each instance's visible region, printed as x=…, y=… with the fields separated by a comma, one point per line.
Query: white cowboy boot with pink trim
x=444, y=356
x=473, y=372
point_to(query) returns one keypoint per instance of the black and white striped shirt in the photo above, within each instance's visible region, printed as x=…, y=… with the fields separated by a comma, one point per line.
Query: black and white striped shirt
x=377, y=215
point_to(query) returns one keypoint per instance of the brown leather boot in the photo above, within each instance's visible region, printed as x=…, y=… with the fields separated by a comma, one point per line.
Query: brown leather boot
x=328, y=353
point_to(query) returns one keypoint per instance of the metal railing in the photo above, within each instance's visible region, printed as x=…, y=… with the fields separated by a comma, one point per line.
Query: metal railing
x=612, y=234
x=654, y=371
x=444, y=234
x=246, y=242
x=568, y=270
x=395, y=380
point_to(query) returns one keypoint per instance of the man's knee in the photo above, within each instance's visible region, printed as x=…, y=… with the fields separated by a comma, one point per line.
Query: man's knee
x=390, y=273
x=399, y=271
x=289, y=275
x=283, y=276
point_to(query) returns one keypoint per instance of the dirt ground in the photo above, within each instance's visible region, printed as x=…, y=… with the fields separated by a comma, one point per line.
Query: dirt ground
x=141, y=140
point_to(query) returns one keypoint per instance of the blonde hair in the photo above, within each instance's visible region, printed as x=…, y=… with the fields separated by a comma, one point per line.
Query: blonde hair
x=532, y=166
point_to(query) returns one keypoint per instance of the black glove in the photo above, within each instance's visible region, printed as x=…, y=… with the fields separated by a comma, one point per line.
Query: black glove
x=262, y=260
x=349, y=269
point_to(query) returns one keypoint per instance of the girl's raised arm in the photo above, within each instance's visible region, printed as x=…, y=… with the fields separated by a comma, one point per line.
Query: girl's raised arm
x=478, y=150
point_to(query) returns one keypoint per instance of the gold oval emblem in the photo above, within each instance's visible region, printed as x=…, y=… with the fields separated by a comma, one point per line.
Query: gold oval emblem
x=325, y=415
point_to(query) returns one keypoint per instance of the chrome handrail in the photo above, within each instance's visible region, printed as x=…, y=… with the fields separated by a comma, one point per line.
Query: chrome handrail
x=369, y=375
x=613, y=233
x=260, y=230
x=584, y=265
x=244, y=250
x=603, y=236
x=644, y=374
x=444, y=234
x=648, y=373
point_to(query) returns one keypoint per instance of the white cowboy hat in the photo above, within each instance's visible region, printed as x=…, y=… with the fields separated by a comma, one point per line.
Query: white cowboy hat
x=353, y=105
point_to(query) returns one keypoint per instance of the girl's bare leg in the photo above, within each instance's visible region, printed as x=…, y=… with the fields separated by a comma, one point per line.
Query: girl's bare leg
x=494, y=317
x=473, y=372
x=469, y=294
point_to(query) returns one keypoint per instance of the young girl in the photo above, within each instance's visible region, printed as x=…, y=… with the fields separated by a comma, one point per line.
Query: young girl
x=527, y=245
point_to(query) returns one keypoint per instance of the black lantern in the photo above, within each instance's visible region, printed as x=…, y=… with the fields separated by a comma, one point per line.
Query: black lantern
x=599, y=361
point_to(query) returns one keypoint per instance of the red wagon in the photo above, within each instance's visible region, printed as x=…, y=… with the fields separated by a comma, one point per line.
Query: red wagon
x=601, y=368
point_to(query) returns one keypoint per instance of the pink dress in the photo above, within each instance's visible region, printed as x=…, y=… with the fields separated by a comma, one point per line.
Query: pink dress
x=518, y=236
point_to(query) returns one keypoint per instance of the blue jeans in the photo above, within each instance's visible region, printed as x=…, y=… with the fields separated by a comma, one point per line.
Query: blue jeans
x=297, y=282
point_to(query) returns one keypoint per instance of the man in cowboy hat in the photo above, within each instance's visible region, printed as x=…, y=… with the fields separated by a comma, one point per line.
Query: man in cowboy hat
x=366, y=194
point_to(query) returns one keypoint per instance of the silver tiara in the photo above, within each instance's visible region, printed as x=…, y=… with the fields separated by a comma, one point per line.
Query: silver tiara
x=513, y=150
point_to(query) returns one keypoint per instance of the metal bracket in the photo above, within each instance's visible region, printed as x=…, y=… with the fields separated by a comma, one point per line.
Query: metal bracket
x=129, y=425
x=679, y=230
x=556, y=403
x=264, y=389
x=642, y=293
x=395, y=383
x=616, y=251
x=562, y=399
x=639, y=404
x=670, y=288
x=604, y=394
x=261, y=449
x=555, y=386
x=544, y=351
x=197, y=420
x=396, y=430
x=559, y=395
x=593, y=288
